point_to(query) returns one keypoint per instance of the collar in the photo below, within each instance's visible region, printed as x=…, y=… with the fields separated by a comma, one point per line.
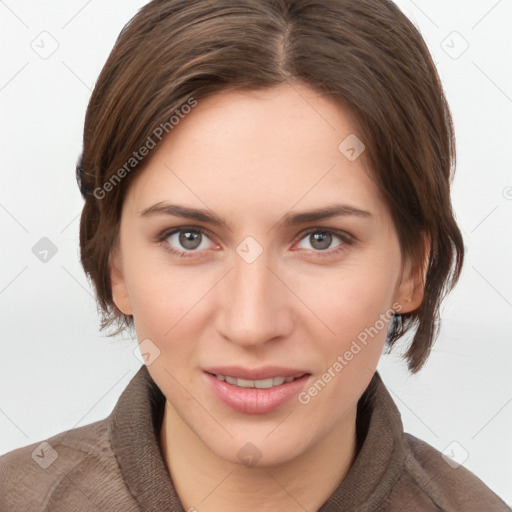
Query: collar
x=135, y=422
x=134, y=427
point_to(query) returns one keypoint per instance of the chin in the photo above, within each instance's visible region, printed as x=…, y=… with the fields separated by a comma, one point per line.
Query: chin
x=259, y=454
x=265, y=445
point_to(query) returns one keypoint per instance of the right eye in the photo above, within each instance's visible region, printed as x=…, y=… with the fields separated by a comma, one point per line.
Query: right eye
x=185, y=241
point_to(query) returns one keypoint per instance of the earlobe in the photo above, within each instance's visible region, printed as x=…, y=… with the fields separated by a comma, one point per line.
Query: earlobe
x=118, y=284
x=412, y=285
x=410, y=294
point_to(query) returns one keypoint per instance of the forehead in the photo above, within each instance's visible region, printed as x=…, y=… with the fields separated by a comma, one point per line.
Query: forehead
x=268, y=122
x=269, y=149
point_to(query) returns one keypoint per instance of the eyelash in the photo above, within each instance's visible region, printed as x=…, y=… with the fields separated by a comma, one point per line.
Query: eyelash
x=346, y=239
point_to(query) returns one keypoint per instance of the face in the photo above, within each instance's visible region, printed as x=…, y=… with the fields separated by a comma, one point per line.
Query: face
x=231, y=285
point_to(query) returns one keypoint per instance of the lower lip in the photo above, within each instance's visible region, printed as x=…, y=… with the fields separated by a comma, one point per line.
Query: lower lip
x=254, y=400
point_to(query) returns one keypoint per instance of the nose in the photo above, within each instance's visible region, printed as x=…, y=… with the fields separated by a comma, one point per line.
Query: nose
x=256, y=304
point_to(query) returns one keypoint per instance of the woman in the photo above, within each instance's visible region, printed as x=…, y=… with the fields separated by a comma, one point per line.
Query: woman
x=267, y=203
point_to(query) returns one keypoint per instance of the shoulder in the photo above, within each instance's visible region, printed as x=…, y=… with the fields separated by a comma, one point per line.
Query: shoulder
x=73, y=470
x=430, y=483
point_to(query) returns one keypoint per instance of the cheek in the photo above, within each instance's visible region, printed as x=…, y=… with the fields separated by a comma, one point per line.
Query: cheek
x=360, y=293
x=356, y=307
x=163, y=300
x=358, y=315
x=163, y=312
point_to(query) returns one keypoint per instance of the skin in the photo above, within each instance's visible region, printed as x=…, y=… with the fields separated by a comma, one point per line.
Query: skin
x=252, y=159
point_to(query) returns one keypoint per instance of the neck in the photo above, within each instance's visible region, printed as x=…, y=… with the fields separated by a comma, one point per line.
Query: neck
x=207, y=482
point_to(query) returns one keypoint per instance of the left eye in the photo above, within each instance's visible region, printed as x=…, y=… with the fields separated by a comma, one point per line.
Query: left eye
x=320, y=240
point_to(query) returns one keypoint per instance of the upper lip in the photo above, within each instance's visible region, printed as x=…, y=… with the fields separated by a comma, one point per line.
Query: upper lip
x=266, y=372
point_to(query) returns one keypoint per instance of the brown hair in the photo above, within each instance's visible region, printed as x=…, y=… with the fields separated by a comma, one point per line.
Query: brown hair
x=366, y=53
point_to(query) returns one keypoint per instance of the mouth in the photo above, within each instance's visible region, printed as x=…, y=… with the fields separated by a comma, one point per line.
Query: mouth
x=271, y=382
x=258, y=391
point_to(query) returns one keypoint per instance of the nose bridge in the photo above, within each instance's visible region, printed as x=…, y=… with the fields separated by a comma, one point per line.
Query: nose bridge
x=255, y=307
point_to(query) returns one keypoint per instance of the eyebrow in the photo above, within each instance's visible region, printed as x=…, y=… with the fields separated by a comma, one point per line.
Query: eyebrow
x=208, y=217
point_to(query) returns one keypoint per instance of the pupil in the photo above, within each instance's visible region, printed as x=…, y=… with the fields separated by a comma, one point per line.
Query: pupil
x=188, y=239
x=324, y=240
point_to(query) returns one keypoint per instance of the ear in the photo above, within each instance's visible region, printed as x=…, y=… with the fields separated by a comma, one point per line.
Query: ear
x=118, y=284
x=411, y=287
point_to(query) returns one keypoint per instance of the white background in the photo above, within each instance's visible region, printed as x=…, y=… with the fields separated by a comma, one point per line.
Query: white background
x=58, y=372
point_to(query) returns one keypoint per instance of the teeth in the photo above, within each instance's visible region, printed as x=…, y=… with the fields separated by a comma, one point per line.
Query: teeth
x=260, y=384
x=264, y=383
